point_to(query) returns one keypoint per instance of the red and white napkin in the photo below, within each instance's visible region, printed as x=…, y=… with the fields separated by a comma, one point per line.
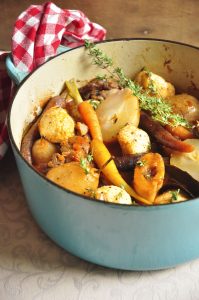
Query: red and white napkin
x=38, y=32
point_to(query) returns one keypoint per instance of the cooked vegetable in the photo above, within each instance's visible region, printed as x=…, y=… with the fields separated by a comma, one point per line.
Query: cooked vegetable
x=56, y=125
x=86, y=110
x=186, y=105
x=42, y=151
x=72, y=176
x=158, y=107
x=33, y=133
x=73, y=91
x=155, y=84
x=113, y=117
x=68, y=140
x=188, y=162
x=114, y=194
x=162, y=135
x=103, y=159
x=180, y=132
x=149, y=176
x=133, y=140
x=90, y=118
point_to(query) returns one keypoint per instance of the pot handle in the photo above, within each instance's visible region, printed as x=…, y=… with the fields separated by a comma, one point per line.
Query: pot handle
x=18, y=76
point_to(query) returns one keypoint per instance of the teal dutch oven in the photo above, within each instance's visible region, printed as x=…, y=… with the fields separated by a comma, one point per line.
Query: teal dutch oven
x=111, y=235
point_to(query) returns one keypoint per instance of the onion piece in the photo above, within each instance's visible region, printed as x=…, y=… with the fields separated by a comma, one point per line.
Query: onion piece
x=118, y=109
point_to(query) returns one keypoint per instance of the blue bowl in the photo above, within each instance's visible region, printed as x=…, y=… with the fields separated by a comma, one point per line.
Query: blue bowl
x=117, y=236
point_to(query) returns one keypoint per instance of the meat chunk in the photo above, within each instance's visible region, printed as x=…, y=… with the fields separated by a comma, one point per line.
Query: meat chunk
x=93, y=89
x=82, y=129
x=75, y=148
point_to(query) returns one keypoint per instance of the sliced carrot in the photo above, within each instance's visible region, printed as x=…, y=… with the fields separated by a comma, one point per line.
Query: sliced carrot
x=89, y=116
x=102, y=158
x=149, y=176
x=180, y=131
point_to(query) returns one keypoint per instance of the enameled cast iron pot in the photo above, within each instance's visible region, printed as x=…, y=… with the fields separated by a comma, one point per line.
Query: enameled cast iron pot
x=118, y=236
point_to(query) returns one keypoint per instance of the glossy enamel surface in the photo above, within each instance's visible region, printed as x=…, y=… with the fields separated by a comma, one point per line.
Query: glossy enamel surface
x=118, y=236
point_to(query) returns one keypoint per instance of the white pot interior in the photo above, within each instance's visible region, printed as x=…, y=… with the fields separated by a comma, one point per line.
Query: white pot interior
x=175, y=62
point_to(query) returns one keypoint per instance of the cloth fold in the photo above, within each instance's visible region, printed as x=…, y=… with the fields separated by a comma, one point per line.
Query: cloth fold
x=38, y=32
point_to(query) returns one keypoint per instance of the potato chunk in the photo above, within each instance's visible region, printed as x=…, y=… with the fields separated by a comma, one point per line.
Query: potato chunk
x=42, y=151
x=56, y=125
x=155, y=83
x=133, y=140
x=73, y=177
x=112, y=193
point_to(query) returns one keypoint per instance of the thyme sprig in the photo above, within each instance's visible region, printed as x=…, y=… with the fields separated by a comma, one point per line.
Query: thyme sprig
x=160, y=110
x=85, y=163
x=174, y=195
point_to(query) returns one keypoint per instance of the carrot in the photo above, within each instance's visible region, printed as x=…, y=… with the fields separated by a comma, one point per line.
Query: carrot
x=149, y=176
x=89, y=116
x=179, y=131
x=86, y=110
x=102, y=158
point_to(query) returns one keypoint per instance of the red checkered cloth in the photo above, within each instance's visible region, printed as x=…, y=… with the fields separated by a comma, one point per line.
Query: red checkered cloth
x=42, y=28
x=38, y=32
x=6, y=89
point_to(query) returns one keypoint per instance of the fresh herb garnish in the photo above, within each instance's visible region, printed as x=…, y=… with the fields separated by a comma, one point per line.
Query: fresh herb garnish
x=174, y=195
x=84, y=163
x=160, y=110
x=94, y=103
x=119, y=196
x=99, y=58
x=89, y=158
x=101, y=77
x=140, y=163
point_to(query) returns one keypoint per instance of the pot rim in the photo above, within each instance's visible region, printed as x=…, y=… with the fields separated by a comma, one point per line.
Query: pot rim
x=115, y=205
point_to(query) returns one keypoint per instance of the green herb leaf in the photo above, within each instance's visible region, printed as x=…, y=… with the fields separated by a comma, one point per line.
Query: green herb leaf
x=140, y=163
x=89, y=158
x=85, y=163
x=94, y=103
x=174, y=195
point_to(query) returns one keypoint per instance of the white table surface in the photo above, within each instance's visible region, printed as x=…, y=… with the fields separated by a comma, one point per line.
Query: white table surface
x=34, y=267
